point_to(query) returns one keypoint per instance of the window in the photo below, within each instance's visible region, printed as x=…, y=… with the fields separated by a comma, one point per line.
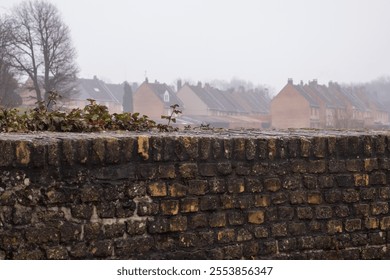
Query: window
x=166, y=96
x=96, y=89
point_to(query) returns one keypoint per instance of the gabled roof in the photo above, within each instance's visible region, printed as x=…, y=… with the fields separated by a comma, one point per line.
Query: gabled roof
x=231, y=101
x=93, y=89
x=302, y=91
x=161, y=89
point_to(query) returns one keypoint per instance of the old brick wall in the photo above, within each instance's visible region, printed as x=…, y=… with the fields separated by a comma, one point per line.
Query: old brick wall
x=226, y=195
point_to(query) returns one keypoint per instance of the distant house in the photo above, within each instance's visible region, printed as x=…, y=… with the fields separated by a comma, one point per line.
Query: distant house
x=155, y=99
x=318, y=106
x=233, y=108
x=294, y=107
x=94, y=89
x=84, y=89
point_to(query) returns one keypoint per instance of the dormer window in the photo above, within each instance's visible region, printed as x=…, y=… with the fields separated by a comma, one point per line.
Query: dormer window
x=166, y=96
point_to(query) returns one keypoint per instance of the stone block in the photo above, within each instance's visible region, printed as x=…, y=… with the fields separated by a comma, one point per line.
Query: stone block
x=379, y=208
x=385, y=223
x=305, y=242
x=217, y=219
x=113, y=149
x=198, y=221
x=261, y=232
x=167, y=171
x=197, y=187
x=236, y=218
x=316, y=166
x=305, y=213
x=126, y=148
x=244, y=201
x=178, y=223
x=236, y=186
x=262, y=200
x=292, y=182
x=23, y=151
x=305, y=145
x=81, y=211
x=224, y=168
x=361, y=180
x=332, y=196
x=319, y=147
x=341, y=211
x=101, y=248
x=287, y=244
x=244, y=235
x=205, y=148
x=324, y=212
x=188, y=170
x=253, y=185
x=7, y=153
x=169, y=207
x=299, y=166
x=189, y=205
x=207, y=169
x=370, y=164
x=297, y=228
x=334, y=226
x=256, y=217
x=157, y=189
x=143, y=147
x=279, y=229
x=217, y=186
x=298, y=197
x=250, y=151
x=350, y=196
x=177, y=190
x=136, y=227
x=210, y=202
x=354, y=165
x=114, y=231
x=344, y=180
x=353, y=225
x=371, y=223
x=272, y=184
x=314, y=198
x=285, y=213
x=226, y=236
x=378, y=178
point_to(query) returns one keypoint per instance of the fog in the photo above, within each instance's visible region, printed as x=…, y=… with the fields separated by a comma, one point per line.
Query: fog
x=263, y=42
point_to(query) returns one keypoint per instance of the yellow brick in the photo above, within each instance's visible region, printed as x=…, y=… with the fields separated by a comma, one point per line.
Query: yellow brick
x=256, y=217
x=143, y=147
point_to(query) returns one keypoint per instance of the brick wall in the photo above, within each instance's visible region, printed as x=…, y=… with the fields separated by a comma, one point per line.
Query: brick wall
x=289, y=195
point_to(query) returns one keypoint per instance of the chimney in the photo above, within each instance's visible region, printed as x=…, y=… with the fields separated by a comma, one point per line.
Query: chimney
x=199, y=84
x=290, y=81
x=95, y=77
x=179, y=85
x=146, y=80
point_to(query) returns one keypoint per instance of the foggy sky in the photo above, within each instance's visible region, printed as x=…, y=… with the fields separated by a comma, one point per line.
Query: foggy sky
x=263, y=41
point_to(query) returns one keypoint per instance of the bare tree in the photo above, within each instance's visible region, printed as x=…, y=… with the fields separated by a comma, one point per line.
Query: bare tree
x=8, y=83
x=42, y=48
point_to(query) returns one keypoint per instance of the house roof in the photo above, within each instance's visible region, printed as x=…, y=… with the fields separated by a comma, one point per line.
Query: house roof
x=93, y=89
x=232, y=101
x=307, y=95
x=161, y=89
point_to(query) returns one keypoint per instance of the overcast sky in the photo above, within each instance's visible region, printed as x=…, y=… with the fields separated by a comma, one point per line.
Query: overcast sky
x=263, y=41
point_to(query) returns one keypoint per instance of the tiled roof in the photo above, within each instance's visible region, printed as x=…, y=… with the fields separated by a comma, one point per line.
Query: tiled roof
x=93, y=89
x=232, y=101
x=312, y=101
x=160, y=89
